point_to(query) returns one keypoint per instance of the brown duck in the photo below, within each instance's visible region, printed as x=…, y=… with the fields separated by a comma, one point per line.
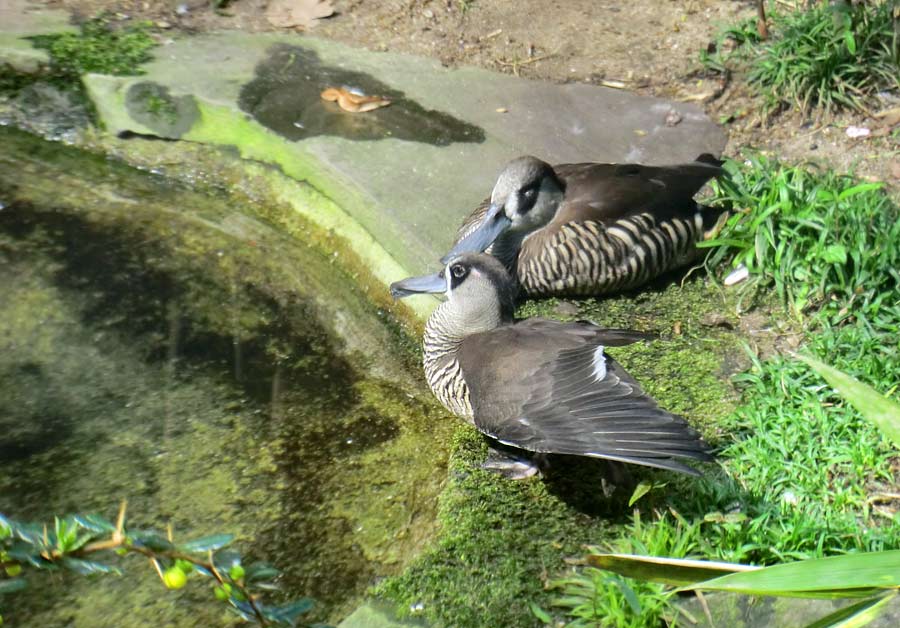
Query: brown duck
x=591, y=228
x=540, y=385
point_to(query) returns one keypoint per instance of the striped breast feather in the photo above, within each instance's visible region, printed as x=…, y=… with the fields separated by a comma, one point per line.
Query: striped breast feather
x=592, y=258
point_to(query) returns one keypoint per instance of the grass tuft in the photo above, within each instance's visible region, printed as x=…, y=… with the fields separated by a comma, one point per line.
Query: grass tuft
x=825, y=242
x=98, y=47
x=829, y=55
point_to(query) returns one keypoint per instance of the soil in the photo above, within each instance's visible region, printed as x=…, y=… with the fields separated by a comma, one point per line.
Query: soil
x=648, y=46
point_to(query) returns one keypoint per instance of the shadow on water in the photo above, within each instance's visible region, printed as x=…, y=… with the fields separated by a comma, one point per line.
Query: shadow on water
x=285, y=97
x=175, y=358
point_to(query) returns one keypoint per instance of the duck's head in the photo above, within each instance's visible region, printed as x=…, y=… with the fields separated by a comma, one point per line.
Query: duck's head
x=524, y=199
x=480, y=292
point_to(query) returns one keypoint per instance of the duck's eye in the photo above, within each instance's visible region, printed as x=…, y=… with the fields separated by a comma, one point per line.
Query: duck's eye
x=458, y=270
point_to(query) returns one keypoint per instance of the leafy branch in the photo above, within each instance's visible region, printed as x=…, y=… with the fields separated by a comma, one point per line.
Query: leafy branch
x=75, y=542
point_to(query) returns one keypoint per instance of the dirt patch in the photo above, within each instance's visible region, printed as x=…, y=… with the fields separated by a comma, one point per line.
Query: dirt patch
x=648, y=46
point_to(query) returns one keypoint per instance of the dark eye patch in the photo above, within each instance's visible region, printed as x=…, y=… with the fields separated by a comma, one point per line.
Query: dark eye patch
x=458, y=273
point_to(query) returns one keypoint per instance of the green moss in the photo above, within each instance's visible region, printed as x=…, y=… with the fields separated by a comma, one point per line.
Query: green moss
x=500, y=540
x=98, y=47
x=688, y=369
x=161, y=108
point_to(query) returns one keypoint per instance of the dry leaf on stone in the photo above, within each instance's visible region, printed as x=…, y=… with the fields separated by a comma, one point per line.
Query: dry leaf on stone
x=352, y=101
x=297, y=13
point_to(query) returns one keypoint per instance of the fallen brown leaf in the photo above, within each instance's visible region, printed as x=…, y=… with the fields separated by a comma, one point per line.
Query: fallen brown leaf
x=354, y=103
x=297, y=13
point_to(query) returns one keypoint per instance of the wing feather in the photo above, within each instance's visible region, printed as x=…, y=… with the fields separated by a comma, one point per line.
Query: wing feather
x=534, y=385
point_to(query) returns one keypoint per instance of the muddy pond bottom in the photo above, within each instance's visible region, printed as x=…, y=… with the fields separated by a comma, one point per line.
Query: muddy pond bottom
x=169, y=348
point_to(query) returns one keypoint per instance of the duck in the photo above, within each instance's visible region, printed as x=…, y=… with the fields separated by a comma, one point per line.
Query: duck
x=591, y=229
x=538, y=386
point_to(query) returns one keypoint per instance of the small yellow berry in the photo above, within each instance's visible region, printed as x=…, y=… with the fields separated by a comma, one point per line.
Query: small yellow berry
x=174, y=578
x=221, y=594
x=13, y=570
x=236, y=572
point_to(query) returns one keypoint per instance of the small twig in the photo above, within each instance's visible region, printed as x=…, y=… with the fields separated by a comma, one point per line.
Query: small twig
x=526, y=61
x=118, y=540
x=159, y=572
x=705, y=608
x=515, y=64
x=761, y=27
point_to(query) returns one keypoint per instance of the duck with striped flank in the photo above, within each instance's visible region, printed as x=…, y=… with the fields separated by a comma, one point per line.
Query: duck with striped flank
x=540, y=385
x=591, y=228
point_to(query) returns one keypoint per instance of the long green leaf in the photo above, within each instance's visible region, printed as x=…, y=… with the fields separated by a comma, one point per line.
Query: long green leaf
x=95, y=523
x=540, y=613
x=851, y=575
x=207, y=543
x=874, y=406
x=674, y=571
x=855, y=615
x=87, y=567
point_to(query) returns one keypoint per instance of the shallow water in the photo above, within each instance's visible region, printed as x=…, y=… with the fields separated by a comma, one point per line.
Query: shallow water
x=169, y=348
x=284, y=96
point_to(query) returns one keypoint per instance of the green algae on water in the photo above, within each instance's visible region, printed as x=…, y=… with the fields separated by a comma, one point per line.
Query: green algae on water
x=170, y=348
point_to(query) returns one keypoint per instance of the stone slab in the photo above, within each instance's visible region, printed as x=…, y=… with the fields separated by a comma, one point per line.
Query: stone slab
x=20, y=19
x=374, y=614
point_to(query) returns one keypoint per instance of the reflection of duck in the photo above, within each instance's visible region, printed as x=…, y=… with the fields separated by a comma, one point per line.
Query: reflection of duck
x=353, y=102
x=540, y=385
x=591, y=228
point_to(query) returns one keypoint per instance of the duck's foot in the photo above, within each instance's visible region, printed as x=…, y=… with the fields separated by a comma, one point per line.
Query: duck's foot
x=515, y=465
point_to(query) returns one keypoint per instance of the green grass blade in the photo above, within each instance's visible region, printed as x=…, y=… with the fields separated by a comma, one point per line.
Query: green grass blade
x=859, y=189
x=855, y=615
x=874, y=407
x=673, y=571
x=851, y=575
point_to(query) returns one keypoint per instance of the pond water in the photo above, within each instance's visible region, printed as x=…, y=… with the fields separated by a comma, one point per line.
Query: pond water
x=168, y=347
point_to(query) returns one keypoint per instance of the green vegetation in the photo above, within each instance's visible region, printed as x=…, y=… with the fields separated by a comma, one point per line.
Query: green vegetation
x=832, y=54
x=870, y=575
x=475, y=574
x=823, y=241
x=806, y=475
x=75, y=542
x=98, y=47
x=829, y=55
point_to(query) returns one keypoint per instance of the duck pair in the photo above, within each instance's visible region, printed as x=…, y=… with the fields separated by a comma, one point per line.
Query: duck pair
x=575, y=229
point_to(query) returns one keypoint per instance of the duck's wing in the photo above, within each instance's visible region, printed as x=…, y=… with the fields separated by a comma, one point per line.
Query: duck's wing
x=549, y=387
x=609, y=192
x=473, y=220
